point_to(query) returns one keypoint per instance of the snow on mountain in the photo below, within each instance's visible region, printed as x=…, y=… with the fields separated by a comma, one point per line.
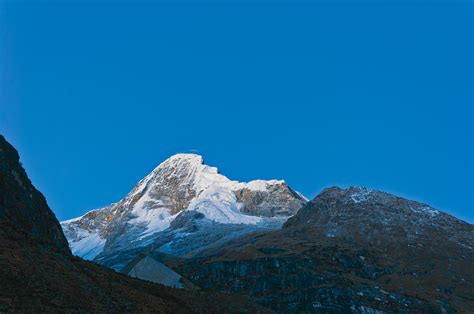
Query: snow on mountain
x=181, y=183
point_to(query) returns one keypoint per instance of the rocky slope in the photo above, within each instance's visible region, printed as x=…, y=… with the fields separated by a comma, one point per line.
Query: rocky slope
x=180, y=184
x=22, y=206
x=39, y=274
x=349, y=250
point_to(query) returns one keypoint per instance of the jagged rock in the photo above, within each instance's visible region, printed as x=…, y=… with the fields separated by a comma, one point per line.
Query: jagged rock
x=276, y=200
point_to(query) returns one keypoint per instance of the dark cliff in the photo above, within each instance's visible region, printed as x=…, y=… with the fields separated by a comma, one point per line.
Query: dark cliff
x=23, y=209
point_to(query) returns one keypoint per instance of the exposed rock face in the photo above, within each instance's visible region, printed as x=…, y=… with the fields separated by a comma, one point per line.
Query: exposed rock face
x=350, y=250
x=276, y=200
x=21, y=206
x=181, y=183
x=38, y=274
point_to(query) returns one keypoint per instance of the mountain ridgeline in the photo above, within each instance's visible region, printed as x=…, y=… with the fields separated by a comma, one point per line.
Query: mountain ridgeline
x=228, y=246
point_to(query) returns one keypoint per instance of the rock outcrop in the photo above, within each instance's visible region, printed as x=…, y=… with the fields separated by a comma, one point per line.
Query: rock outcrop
x=275, y=200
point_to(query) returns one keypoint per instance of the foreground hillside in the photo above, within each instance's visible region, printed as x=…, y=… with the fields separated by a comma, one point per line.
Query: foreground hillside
x=39, y=274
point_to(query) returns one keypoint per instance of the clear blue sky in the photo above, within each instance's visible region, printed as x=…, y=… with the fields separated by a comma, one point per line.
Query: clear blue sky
x=373, y=93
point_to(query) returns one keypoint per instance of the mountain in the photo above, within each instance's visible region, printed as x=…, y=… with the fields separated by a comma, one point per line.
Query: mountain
x=38, y=273
x=186, y=226
x=181, y=192
x=349, y=250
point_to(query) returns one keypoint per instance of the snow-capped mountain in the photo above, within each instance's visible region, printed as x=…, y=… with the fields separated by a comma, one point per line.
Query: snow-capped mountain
x=179, y=184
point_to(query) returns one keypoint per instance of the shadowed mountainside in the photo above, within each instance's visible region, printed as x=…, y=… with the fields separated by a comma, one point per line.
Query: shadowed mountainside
x=353, y=250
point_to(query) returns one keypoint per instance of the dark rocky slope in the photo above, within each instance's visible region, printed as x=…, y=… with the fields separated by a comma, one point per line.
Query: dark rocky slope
x=39, y=274
x=24, y=209
x=353, y=250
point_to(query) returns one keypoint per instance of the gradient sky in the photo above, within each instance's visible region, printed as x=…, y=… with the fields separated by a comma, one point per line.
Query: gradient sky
x=374, y=93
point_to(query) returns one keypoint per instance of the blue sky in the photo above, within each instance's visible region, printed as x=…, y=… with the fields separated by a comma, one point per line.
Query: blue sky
x=373, y=93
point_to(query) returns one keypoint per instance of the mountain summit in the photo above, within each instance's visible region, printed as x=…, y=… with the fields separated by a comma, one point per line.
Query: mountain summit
x=181, y=183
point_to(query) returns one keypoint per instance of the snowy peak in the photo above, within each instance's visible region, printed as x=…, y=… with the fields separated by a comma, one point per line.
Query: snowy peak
x=184, y=157
x=181, y=163
x=181, y=183
x=191, y=168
